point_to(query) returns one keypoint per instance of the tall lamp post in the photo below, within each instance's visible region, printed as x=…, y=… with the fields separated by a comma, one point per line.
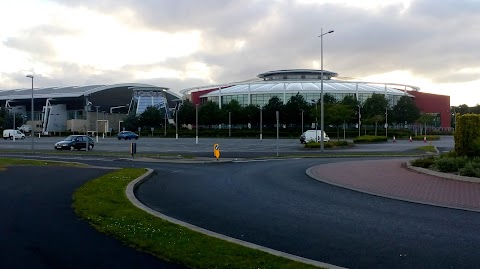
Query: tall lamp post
x=31, y=134
x=196, y=124
x=321, y=89
x=316, y=120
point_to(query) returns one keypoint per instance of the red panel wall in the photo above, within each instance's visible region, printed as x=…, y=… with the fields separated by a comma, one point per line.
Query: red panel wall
x=434, y=103
x=195, y=95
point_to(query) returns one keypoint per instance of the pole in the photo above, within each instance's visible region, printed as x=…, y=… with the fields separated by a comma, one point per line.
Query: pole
x=229, y=124
x=176, y=124
x=165, y=132
x=386, y=121
x=322, y=119
x=96, y=124
x=196, y=124
x=14, y=131
x=278, y=124
x=359, y=120
x=316, y=121
x=33, y=125
x=302, y=121
x=261, y=123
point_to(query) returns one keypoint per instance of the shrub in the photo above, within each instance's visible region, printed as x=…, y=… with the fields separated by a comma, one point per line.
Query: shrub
x=429, y=137
x=370, y=139
x=329, y=144
x=449, y=165
x=471, y=169
x=425, y=162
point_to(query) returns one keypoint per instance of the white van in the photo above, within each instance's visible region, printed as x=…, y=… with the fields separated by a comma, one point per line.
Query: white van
x=309, y=136
x=10, y=133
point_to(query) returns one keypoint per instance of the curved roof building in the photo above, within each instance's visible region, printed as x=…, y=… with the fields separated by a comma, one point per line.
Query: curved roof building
x=77, y=108
x=287, y=83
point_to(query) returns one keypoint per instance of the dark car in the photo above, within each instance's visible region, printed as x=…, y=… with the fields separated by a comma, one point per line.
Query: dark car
x=77, y=142
x=127, y=135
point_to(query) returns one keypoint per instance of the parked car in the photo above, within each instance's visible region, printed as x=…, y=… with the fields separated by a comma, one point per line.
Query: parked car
x=127, y=135
x=10, y=133
x=310, y=136
x=25, y=128
x=77, y=142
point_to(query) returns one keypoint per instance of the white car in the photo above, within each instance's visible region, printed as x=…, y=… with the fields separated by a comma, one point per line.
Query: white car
x=310, y=136
x=10, y=133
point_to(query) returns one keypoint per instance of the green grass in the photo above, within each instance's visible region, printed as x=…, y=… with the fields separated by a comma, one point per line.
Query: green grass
x=104, y=204
x=8, y=162
x=427, y=149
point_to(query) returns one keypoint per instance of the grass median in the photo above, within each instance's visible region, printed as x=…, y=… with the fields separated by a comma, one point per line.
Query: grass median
x=103, y=203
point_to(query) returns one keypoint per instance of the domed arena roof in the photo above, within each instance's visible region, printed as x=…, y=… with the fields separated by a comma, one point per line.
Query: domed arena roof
x=308, y=82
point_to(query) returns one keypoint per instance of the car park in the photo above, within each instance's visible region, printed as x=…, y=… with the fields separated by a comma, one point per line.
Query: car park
x=11, y=134
x=127, y=135
x=309, y=136
x=77, y=142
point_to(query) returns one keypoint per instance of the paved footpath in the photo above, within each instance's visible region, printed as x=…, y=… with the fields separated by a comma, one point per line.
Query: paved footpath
x=391, y=178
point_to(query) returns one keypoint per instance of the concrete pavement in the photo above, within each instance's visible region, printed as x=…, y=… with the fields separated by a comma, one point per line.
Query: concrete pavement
x=392, y=179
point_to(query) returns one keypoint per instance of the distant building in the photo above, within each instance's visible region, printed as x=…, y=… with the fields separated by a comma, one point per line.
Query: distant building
x=84, y=109
x=307, y=82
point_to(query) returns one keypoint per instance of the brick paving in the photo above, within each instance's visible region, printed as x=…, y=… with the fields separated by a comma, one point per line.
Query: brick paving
x=389, y=178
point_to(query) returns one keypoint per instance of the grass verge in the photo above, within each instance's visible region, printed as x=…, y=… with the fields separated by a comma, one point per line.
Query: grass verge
x=103, y=203
x=11, y=161
x=427, y=149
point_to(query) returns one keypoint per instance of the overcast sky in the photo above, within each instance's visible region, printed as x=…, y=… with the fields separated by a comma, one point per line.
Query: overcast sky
x=432, y=44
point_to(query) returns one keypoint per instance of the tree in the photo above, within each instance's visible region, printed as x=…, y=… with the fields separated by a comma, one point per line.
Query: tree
x=131, y=122
x=186, y=113
x=252, y=114
x=352, y=104
x=375, y=105
x=269, y=111
x=339, y=114
x=426, y=119
x=294, y=107
x=209, y=114
x=376, y=119
x=152, y=117
x=236, y=111
x=405, y=111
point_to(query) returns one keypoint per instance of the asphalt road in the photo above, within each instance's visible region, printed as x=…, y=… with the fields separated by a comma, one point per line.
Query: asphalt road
x=274, y=204
x=229, y=147
x=40, y=230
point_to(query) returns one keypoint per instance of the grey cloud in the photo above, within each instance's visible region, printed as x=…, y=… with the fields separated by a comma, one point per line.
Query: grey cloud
x=431, y=38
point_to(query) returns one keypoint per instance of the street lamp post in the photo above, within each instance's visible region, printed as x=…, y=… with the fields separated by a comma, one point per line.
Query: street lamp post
x=196, y=124
x=316, y=120
x=96, y=124
x=321, y=89
x=261, y=123
x=359, y=120
x=302, y=121
x=31, y=134
x=229, y=124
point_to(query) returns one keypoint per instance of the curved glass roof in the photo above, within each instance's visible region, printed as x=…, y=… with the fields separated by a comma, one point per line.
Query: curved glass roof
x=329, y=86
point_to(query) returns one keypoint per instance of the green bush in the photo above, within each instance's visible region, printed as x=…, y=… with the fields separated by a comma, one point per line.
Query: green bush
x=467, y=135
x=449, y=165
x=329, y=144
x=370, y=139
x=425, y=162
x=471, y=169
x=429, y=137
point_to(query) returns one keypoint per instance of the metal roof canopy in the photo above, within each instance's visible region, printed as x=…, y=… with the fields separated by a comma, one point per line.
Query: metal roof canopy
x=66, y=92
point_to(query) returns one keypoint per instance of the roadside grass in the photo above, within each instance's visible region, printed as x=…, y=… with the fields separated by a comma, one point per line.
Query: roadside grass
x=103, y=203
x=12, y=161
x=427, y=149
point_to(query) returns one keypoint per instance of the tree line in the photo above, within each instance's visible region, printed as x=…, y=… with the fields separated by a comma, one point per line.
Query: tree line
x=374, y=111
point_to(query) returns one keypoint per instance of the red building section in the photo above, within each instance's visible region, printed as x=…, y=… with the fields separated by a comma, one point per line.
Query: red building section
x=195, y=95
x=434, y=104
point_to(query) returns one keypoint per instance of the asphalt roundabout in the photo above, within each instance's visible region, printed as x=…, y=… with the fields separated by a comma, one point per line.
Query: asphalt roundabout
x=275, y=204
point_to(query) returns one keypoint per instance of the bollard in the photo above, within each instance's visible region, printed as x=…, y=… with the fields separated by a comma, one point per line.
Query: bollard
x=216, y=151
x=133, y=149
